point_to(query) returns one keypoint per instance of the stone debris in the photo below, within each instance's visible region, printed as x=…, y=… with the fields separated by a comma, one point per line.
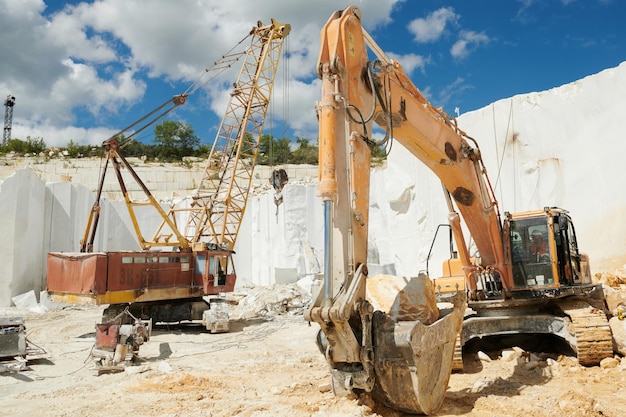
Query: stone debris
x=28, y=302
x=610, y=280
x=324, y=387
x=18, y=364
x=509, y=355
x=615, y=297
x=609, y=363
x=481, y=385
x=618, y=329
x=403, y=298
x=262, y=301
x=552, y=362
x=531, y=365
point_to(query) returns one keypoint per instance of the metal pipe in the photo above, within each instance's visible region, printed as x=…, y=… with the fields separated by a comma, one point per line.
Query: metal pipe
x=328, y=250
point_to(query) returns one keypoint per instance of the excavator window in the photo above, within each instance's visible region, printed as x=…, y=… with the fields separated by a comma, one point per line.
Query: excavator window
x=530, y=252
x=567, y=251
x=574, y=255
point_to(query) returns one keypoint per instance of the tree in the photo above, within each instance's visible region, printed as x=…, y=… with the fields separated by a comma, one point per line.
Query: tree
x=306, y=153
x=379, y=154
x=29, y=146
x=274, y=151
x=35, y=145
x=73, y=149
x=175, y=139
x=138, y=149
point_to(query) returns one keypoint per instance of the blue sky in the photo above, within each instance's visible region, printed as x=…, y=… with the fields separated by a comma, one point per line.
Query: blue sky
x=82, y=70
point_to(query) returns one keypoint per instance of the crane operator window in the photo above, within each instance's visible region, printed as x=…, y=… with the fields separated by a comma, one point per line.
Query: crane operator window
x=530, y=252
x=219, y=267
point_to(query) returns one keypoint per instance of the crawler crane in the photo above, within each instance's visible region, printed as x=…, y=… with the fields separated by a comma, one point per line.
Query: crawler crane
x=175, y=285
x=510, y=290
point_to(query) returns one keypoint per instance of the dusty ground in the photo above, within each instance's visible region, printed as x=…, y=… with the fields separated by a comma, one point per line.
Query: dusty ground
x=267, y=366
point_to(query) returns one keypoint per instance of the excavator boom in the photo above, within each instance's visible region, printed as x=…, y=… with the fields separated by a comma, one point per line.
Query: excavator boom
x=401, y=353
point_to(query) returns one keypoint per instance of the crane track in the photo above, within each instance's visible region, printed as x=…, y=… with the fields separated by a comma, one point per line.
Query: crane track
x=594, y=340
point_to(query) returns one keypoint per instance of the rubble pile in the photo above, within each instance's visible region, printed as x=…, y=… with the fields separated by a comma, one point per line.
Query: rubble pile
x=614, y=287
x=268, y=301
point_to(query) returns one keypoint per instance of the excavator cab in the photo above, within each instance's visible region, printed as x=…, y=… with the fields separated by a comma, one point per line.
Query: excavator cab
x=543, y=250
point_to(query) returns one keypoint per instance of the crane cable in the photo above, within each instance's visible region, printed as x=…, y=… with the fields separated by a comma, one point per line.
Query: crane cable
x=279, y=177
x=501, y=156
x=221, y=65
x=285, y=109
x=286, y=73
x=225, y=62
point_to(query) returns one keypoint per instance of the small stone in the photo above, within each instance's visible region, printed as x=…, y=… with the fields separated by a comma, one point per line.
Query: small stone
x=483, y=357
x=509, y=355
x=165, y=367
x=519, y=350
x=324, y=387
x=609, y=363
x=132, y=370
x=532, y=365
x=480, y=385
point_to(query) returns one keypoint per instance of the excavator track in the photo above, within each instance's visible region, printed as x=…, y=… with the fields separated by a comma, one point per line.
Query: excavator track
x=457, y=359
x=590, y=326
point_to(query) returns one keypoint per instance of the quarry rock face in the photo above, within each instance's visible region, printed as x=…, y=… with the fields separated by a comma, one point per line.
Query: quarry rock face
x=24, y=237
x=533, y=146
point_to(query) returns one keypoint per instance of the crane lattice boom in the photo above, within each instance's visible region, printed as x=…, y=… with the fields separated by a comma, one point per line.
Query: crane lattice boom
x=220, y=199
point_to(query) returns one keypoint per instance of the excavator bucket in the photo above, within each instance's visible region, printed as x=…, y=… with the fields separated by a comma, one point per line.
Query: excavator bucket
x=399, y=346
x=414, y=361
x=413, y=358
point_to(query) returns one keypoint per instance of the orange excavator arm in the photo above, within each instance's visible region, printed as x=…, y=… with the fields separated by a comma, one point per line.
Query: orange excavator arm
x=405, y=362
x=381, y=91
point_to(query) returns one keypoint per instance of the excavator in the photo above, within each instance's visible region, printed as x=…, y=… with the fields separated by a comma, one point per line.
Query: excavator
x=186, y=282
x=509, y=287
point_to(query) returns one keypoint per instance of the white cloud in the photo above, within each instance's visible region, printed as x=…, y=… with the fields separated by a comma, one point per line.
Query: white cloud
x=468, y=40
x=451, y=91
x=432, y=27
x=102, y=56
x=100, y=94
x=78, y=45
x=44, y=129
x=410, y=62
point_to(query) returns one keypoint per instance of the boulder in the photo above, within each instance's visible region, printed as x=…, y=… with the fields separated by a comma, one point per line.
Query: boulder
x=618, y=328
x=403, y=298
x=615, y=297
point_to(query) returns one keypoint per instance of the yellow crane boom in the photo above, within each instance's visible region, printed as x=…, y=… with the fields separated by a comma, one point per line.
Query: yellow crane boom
x=220, y=200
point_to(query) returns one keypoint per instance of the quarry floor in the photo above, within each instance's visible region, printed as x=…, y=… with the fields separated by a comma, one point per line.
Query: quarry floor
x=267, y=366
